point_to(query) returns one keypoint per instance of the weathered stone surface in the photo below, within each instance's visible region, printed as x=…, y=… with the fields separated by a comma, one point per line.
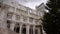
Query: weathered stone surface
x=6, y=31
x=11, y=32
x=14, y=16
x=3, y=31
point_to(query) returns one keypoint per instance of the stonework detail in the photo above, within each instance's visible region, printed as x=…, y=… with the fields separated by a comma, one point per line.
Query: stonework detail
x=18, y=19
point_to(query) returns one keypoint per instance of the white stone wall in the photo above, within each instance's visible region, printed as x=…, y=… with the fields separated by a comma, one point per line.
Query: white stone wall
x=26, y=16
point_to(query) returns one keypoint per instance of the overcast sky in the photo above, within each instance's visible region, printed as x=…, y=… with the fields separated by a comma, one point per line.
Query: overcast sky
x=31, y=3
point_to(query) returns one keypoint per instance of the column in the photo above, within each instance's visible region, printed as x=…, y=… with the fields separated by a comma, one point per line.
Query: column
x=12, y=25
x=27, y=29
x=28, y=19
x=20, y=29
x=33, y=29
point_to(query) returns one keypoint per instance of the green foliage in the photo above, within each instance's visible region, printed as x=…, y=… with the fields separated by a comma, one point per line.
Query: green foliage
x=51, y=21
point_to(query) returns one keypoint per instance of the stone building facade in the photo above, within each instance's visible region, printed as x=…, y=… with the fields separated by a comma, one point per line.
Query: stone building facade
x=21, y=19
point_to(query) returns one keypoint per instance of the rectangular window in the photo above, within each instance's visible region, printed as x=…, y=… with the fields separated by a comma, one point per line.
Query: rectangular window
x=25, y=19
x=8, y=24
x=9, y=15
x=36, y=21
x=18, y=10
x=31, y=20
x=0, y=4
x=17, y=17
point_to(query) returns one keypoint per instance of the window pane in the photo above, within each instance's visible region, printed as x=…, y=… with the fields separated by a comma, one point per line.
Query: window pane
x=17, y=17
x=36, y=21
x=31, y=20
x=8, y=24
x=9, y=15
x=25, y=19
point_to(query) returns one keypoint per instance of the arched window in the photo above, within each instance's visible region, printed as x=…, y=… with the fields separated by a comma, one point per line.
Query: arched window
x=8, y=24
x=17, y=28
x=24, y=29
x=31, y=30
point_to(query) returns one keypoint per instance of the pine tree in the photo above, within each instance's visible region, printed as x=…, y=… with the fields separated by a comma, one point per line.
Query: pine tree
x=51, y=21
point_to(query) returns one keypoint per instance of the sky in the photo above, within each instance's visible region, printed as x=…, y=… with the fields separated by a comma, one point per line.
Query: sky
x=31, y=3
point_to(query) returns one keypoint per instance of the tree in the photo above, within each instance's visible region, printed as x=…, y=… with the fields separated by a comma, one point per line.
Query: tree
x=51, y=20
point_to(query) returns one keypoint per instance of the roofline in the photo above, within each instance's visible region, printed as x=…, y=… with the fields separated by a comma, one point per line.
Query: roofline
x=39, y=5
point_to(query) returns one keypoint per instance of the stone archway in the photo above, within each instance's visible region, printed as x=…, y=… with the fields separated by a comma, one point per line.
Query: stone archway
x=17, y=28
x=24, y=29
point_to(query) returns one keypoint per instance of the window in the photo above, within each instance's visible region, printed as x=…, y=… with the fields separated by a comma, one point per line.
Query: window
x=31, y=30
x=36, y=21
x=31, y=20
x=9, y=15
x=30, y=11
x=0, y=4
x=40, y=13
x=36, y=31
x=18, y=10
x=24, y=18
x=23, y=29
x=17, y=28
x=37, y=13
x=17, y=17
x=34, y=12
x=26, y=12
x=8, y=24
x=17, y=24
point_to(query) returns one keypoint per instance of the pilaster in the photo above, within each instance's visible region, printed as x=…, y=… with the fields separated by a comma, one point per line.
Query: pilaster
x=12, y=25
x=27, y=29
x=34, y=29
x=20, y=29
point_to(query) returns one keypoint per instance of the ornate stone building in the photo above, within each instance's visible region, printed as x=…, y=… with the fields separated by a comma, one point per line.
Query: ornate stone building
x=20, y=19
